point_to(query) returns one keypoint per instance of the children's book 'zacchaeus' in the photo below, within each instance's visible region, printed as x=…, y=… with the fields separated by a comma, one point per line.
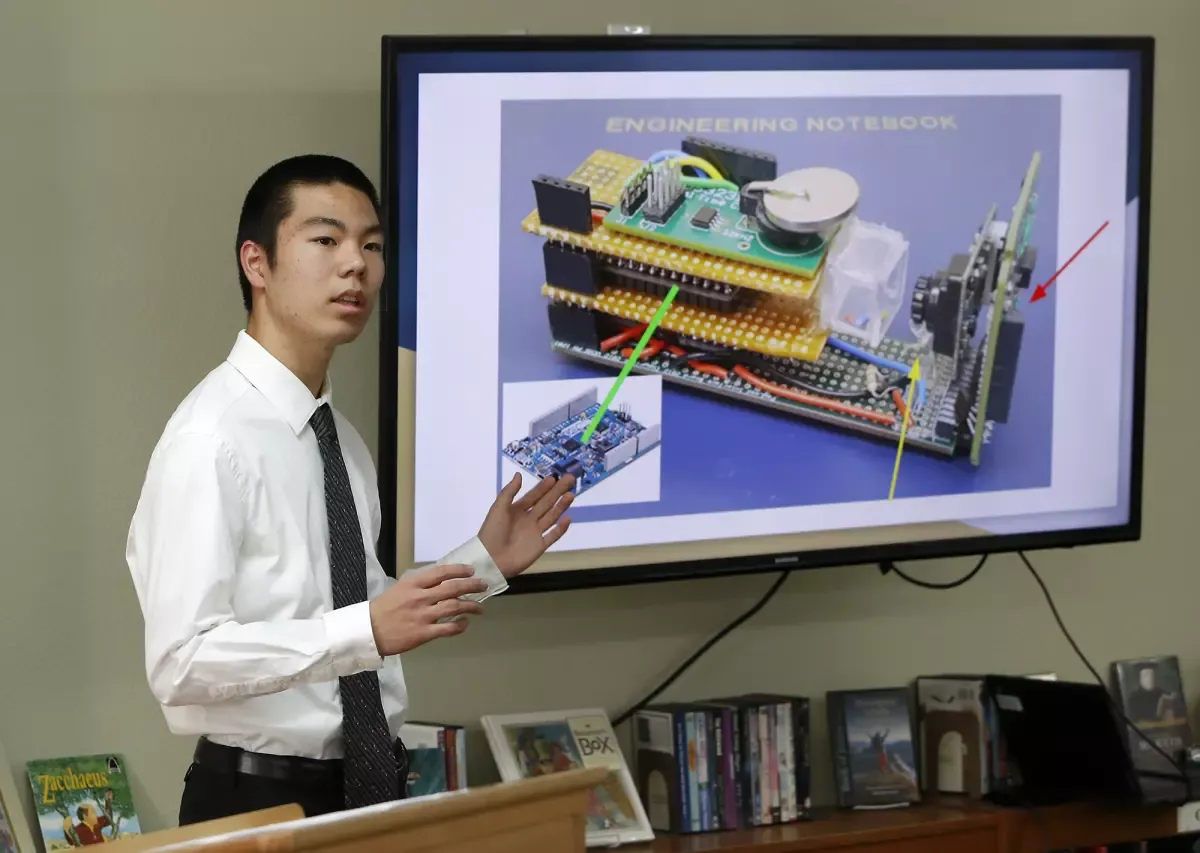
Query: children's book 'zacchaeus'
x=82, y=800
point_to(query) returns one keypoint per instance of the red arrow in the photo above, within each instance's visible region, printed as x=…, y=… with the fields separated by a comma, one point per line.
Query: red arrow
x=1039, y=292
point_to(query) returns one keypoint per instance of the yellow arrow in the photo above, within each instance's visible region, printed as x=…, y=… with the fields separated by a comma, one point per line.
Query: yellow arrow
x=914, y=376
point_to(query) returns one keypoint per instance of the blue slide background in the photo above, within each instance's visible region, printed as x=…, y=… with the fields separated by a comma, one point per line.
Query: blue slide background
x=935, y=186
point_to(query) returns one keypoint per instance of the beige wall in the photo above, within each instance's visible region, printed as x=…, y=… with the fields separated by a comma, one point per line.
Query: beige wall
x=129, y=130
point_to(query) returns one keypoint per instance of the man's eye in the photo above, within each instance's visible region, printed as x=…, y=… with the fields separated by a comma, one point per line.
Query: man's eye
x=326, y=241
x=374, y=247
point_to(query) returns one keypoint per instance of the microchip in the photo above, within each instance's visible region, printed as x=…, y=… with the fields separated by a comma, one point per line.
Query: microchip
x=570, y=444
x=704, y=217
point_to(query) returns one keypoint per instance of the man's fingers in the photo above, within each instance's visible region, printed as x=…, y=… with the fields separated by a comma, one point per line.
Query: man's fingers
x=446, y=629
x=547, y=501
x=556, y=532
x=556, y=511
x=531, y=497
x=455, y=607
x=511, y=488
x=456, y=588
x=436, y=575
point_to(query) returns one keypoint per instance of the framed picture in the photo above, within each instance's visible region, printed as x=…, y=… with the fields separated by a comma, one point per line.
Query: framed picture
x=14, y=829
x=535, y=744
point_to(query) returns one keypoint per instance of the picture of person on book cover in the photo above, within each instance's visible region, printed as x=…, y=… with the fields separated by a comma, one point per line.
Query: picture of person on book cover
x=1154, y=698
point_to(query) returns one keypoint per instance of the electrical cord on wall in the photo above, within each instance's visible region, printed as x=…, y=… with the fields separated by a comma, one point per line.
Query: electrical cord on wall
x=724, y=632
x=889, y=567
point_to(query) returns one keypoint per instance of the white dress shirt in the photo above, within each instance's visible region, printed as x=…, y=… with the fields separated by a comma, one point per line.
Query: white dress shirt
x=229, y=554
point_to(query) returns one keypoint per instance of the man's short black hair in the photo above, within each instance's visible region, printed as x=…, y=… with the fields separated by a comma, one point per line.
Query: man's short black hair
x=269, y=200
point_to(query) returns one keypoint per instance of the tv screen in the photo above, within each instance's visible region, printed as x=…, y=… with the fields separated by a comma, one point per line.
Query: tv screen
x=772, y=302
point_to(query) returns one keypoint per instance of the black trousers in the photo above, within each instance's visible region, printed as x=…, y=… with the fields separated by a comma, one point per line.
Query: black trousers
x=210, y=793
x=214, y=787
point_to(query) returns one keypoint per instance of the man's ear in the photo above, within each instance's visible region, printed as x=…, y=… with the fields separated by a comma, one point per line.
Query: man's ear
x=255, y=262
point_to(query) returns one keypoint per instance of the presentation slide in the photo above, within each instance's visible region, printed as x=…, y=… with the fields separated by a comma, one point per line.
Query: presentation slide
x=738, y=305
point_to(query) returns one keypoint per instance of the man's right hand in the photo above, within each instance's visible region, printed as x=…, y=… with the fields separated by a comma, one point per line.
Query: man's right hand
x=411, y=612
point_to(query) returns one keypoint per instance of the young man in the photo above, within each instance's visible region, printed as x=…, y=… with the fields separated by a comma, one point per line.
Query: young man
x=272, y=632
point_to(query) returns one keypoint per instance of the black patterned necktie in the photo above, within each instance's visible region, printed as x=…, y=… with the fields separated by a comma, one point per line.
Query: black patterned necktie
x=370, y=767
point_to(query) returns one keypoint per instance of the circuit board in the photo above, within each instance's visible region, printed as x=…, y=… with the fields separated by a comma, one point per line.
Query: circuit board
x=709, y=220
x=553, y=447
x=774, y=326
x=1018, y=234
x=605, y=173
x=845, y=391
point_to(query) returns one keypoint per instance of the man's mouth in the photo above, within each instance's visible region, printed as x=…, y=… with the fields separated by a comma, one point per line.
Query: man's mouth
x=353, y=299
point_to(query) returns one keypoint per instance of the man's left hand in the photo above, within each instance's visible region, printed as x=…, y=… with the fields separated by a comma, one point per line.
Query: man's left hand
x=517, y=533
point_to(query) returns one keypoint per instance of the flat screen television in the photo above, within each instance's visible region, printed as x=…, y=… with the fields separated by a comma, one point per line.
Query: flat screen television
x=774, y=302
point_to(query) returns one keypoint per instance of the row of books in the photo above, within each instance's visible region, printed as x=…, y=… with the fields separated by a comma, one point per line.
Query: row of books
x=726, y=763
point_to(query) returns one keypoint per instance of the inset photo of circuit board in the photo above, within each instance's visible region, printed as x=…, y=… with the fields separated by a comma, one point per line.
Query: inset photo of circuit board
x=544, y=426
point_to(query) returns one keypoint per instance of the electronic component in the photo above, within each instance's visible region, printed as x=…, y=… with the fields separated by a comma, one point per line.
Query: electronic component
x=553, y=446
x=737, y=237
x=703, y=293
x=1023, y=274
x=1004, y=368
x=569, y=268
x=612, y=177
x=573, y=324
x=739, y=165
x=759, y=272
x=801, y=209
x=704, y=217
x=664, y=192
x=563, y=204
x=772, y=326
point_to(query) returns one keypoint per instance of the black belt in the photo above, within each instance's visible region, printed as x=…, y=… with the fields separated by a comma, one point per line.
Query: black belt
x=286, y=768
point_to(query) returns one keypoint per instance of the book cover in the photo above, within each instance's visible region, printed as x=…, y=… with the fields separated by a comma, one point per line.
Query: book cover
x=82, y=800
x=872, y=747
x=526, y=745
x=427, y=759
x=1151, y=694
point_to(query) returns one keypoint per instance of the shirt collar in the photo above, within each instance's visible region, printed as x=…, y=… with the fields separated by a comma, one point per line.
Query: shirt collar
x=282, y=388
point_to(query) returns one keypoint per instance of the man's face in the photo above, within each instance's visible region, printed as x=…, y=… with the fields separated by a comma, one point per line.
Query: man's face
x=1146, y=677
x=328, y=265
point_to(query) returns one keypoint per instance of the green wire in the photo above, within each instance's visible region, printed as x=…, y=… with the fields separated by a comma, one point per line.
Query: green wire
x=708, y=184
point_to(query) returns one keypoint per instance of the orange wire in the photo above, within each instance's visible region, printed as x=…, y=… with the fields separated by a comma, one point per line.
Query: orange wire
x=898, y=399
x=802, y=397
x=622, y=337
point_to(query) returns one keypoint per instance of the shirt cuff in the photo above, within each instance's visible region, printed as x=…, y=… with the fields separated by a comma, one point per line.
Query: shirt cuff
x=476, y=556
x=351, y=638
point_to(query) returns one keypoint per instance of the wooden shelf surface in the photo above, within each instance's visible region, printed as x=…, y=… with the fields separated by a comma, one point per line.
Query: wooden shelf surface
x=946, y=824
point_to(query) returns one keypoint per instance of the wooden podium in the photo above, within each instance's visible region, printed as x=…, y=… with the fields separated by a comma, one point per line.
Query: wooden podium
x=545, y=814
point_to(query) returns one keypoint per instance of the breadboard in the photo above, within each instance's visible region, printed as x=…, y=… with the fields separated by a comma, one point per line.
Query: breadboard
x=605, y=173
x=774, y=326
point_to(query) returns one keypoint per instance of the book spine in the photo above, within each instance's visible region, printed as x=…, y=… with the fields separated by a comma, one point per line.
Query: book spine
x=730, y=768
x=787, y=770
x=447, y=736
x=716, y=767
x=756, y=775
x=681, y=772
x=800, y=755
x=840, y=750
x=693, y=777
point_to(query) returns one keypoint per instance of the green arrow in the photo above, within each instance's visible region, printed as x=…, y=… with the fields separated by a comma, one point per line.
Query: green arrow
x=633, y=357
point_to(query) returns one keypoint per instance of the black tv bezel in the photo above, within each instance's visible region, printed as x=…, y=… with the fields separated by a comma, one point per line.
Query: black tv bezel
x=666, y=570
